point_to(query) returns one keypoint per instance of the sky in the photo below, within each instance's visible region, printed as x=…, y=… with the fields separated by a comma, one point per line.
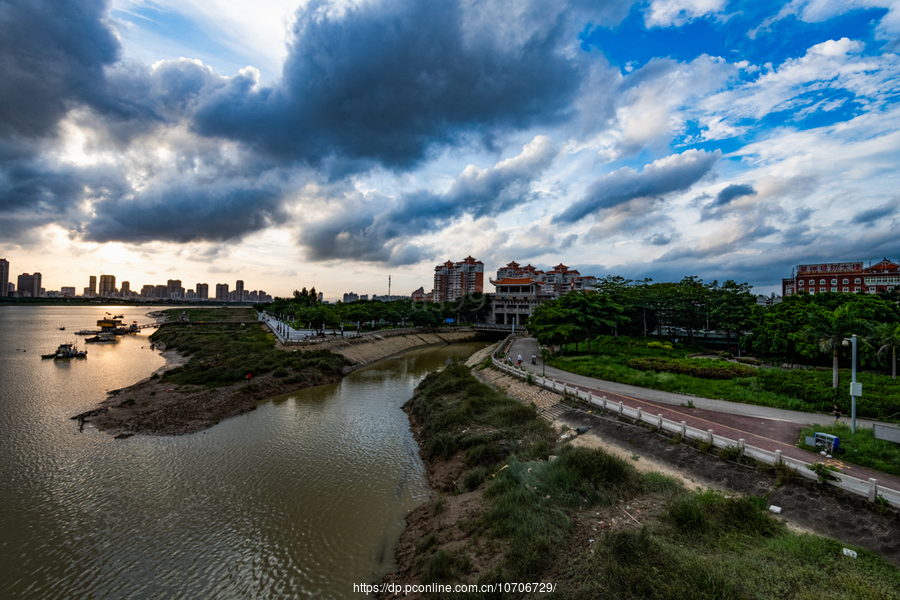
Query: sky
x=334, y=143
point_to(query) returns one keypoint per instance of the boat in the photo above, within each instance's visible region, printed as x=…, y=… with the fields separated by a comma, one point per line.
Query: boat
x=102, y=338
x=87, y=332
x=66, y=351
x=62, y=328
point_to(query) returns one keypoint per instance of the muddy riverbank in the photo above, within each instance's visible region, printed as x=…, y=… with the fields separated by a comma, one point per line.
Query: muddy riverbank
x=159, y=406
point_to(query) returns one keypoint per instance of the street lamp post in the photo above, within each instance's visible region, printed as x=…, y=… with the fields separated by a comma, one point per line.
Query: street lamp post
x=855, y=388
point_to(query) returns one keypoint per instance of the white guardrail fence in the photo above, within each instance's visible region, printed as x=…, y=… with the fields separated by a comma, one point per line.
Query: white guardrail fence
x=869, y=489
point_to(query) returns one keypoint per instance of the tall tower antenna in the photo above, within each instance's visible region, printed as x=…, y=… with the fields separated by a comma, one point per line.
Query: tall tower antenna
x=389, y=288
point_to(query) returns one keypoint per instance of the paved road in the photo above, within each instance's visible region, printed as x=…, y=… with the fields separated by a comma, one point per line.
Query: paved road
x=762, y=426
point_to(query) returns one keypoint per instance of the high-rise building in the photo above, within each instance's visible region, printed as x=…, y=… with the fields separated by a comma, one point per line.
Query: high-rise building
x=455, y=280
x=239, y=290
x=162, y=292
x=92, y=288
x=29, y=285
x=174, y=289
x=4, y=277
x=202, y=291
x=148, y=292
x=222, y=292
x=107, y=285
x=67, y=291
x=125, y=292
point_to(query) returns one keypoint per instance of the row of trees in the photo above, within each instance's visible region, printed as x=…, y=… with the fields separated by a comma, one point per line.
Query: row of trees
x=641, y=308
x=805, y=327
x=304, y=309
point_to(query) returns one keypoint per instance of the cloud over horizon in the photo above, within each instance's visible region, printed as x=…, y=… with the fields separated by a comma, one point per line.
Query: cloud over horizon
x=394, y=125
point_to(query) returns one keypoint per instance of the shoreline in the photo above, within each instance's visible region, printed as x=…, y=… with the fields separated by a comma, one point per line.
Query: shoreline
x=156, y=407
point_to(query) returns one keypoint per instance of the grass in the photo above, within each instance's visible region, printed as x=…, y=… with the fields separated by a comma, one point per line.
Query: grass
x=699, y=545
x=861, y=447
x=212, y=314
x=661, y=368
x=679, y=559
x=223, y=354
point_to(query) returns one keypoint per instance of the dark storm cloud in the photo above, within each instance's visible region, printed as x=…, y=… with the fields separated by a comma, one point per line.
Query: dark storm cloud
x=374, y=227
x=719, y=206
x=387, y=81
x=52, y=54
x=871, y=216
x=187, y=212
x=675, y=173
x=735, y=190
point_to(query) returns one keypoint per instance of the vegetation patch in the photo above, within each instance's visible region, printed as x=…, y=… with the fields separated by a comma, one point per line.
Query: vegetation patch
x=538, y=515
x=860, y=448
x=223, y=354
x=695, y=367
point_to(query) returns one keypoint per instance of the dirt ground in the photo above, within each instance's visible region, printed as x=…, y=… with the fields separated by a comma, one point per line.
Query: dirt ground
x=152, y=407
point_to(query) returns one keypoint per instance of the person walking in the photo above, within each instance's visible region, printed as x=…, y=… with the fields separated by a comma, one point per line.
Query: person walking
x=836, y=412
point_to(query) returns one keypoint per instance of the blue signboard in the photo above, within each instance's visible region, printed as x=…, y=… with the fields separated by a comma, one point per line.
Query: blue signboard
x=450, y=320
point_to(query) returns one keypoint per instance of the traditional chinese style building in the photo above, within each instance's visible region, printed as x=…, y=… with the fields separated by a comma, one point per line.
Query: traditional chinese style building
x=843, y=277
x=518, y=290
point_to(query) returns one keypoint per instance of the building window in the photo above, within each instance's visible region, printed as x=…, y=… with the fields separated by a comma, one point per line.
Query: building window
x=846, y=289
x=821, y=282
x=857, y=280
x=834, y=282
x=846, y=281
x=856, y=289
x=801, y=283
x=834, y=289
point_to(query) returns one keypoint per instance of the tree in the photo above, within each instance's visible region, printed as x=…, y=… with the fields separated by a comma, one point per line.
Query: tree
x=731, y=307
x=887, y=337
x=553, y=324
x=828, y=329
x=591, y=312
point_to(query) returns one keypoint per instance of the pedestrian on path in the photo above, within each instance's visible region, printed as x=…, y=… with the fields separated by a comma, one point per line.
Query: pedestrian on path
x=836, y=412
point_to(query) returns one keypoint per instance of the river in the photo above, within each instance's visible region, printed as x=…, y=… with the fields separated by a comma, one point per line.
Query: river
x=300, y=498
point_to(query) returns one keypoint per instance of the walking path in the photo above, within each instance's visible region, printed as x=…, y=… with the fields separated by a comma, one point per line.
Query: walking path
x=761, y=426
x=285, y=333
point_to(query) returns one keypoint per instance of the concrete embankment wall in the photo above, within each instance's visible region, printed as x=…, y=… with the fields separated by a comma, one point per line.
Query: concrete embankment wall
x=370, y=348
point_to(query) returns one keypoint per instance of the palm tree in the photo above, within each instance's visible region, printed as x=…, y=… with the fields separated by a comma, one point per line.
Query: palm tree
x=888, y=336
x=828, y=329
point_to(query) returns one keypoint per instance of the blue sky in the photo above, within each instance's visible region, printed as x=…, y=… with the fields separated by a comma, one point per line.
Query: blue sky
x=332, y=143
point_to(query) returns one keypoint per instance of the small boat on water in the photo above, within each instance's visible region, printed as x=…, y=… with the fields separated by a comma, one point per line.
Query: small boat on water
x=102, y=338
x=66, y=351
x=62, y=328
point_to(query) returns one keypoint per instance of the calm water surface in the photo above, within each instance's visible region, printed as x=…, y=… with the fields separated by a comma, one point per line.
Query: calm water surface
x=300, y=498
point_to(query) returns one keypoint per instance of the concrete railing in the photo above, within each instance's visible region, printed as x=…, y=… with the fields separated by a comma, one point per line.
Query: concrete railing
x=869, y=489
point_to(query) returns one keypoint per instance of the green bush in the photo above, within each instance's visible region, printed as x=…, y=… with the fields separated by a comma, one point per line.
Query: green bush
x=703, y=368
x=880, y=400
x=474, y=478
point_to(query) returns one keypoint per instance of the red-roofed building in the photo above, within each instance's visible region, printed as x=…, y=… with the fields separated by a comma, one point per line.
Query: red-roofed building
x=518, y=290
x=455, y=280
x=420, y=296
x=845, y=277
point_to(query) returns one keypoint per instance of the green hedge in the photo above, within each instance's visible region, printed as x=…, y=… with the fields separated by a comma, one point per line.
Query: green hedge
x=880, y=399
x=703, y=368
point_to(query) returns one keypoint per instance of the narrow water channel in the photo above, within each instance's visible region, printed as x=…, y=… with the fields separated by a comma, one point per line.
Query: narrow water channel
x=300, y=498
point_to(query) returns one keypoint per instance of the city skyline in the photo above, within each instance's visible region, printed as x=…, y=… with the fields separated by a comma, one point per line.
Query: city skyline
x=715, y=138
